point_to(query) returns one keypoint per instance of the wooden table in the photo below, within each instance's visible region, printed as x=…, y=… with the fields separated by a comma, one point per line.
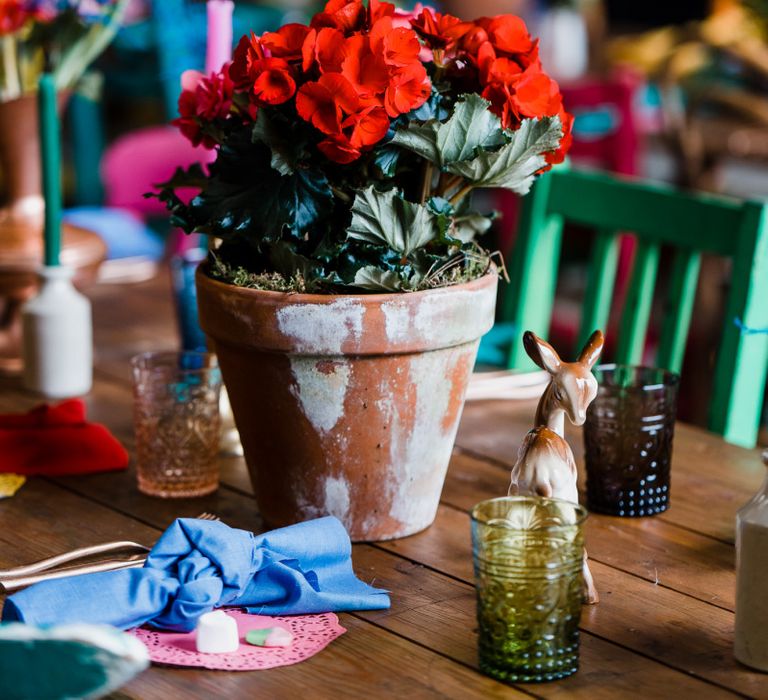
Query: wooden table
x=663, y=628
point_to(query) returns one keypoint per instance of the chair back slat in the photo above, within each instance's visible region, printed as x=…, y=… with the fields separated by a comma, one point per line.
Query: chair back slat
x=637, y=306
x=601, y=278
x=533, y=273
x=654, y=212
x=678, y=309
x=740, y=372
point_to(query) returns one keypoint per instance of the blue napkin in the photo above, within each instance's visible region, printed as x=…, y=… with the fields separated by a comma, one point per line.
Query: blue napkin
x=199, y=565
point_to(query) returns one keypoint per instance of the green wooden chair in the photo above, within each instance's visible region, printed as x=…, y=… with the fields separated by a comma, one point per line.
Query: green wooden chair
x=691, y=224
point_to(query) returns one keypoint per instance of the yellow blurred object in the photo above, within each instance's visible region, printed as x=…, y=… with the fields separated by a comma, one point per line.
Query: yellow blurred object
x=10, y=484
x=731, y=26
x=646, y=52
x=687, y=58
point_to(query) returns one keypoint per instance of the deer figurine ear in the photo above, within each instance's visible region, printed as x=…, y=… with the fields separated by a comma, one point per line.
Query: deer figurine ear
x=592, y=350
x=541, y=352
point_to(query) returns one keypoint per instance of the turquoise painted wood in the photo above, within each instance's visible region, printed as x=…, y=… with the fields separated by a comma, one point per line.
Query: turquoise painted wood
x=678, y=308
x=533, y=274
x=600, y=284
x=690, y=224
x=637, y=307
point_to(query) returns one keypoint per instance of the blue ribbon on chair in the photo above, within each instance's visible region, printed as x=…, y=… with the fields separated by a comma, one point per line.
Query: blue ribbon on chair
x=746, y=330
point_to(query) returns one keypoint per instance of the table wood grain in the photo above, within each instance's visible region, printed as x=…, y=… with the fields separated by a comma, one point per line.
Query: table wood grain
x=663, y=628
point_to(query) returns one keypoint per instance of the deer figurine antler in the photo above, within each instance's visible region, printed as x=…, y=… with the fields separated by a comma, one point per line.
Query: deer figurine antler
x=545, y=465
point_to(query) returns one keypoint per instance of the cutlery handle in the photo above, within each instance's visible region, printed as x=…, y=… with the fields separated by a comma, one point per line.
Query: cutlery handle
x=83, y=552
x=14, y=583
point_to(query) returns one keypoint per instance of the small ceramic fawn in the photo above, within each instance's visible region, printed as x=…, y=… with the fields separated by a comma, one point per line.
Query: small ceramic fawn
x=545, y=465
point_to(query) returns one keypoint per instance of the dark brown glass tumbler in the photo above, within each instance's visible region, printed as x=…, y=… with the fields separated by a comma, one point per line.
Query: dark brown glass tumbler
x=628, y=440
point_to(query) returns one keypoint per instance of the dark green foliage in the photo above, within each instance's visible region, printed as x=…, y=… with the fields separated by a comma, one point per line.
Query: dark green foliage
x=396, y=219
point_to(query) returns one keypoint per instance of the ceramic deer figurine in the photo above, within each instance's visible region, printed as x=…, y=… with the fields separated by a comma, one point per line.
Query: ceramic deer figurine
x=545, y=465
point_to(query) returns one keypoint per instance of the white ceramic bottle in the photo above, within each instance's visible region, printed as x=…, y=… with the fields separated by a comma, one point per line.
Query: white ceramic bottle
x=751, y=635
x=57, y=337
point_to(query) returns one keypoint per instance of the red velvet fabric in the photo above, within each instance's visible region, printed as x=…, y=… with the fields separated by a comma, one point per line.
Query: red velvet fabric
x=57, y=441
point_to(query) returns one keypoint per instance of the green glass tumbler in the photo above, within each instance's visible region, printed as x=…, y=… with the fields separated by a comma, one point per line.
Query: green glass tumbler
x=528, y=556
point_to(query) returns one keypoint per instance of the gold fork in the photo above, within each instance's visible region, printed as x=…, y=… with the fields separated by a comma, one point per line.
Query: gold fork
x=46, y=569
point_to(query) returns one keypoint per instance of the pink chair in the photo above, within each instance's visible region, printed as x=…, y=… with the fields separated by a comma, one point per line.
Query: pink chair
x=605, y=132
x=138, y=161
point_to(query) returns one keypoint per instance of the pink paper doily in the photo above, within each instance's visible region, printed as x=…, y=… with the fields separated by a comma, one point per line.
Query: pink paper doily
x=311, y=634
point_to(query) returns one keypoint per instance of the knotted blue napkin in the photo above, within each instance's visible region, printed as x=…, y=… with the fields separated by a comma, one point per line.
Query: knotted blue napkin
x=199, y=565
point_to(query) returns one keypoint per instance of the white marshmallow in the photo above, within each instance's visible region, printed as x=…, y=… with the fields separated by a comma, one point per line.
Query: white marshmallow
x=217, y=633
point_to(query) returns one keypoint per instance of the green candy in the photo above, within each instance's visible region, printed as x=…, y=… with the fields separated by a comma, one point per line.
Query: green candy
x=258, y=637
x=269, y=637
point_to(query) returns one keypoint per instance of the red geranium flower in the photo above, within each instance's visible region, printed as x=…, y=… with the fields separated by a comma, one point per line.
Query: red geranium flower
x=361, y=131
x=503, y=70
x=367, y=127
x=203, y=99
x=268, y=79
x=324, y=103
x=366, y=70
x=408, y=89
x=286, y=42
x=324, y=47
x=338, y=149
x=516, y=94
x=345, y=15
x=537, y=95
x=507, y=33
x=397, y=46
x=377, y=10
x=13, y=16
x=502, y=105
x=473, y=40
x=274, y=85
x=438, y=30
x=558, y=156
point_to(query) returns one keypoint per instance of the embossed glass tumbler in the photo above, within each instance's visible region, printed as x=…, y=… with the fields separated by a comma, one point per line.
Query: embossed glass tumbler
x=528, y=559
x=628, y=440
x=177, y=424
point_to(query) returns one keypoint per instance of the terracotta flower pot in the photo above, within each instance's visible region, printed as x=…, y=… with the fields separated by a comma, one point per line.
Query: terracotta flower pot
x=347, y=405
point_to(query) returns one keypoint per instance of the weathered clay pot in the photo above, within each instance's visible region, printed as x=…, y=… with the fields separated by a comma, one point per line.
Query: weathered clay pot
x=347, y=405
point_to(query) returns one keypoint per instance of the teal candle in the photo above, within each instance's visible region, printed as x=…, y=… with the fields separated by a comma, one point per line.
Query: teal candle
x=50, y=147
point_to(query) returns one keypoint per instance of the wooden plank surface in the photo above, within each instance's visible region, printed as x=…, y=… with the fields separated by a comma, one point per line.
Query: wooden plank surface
x=663, y=628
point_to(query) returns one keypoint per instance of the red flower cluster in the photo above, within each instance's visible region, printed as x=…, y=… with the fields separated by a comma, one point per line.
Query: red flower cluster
x=507, y=64
x=357, y=67
x=203, y=99
x=357, y=71
x=14, y=14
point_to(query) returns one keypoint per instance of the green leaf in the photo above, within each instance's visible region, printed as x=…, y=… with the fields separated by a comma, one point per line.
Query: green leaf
x=468, y=228
x=378, y=280
x=443, y=211
x=386, y=159
x=421, y=139
x=288, y=262
x=513, y=166
x=387, y=219
x=470, y=129
x=244, y=198
x=285, y=151
x=193, y=176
